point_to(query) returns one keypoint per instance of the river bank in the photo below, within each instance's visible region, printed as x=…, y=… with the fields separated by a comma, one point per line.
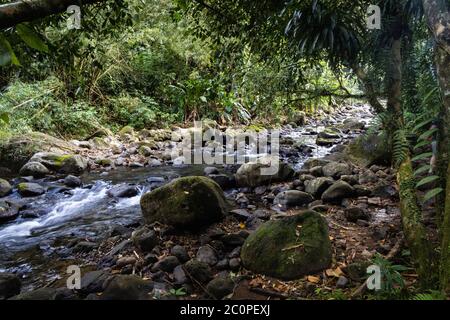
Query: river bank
x=92, y=218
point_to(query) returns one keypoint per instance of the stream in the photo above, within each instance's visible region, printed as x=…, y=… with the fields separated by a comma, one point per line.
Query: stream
x=28, y=245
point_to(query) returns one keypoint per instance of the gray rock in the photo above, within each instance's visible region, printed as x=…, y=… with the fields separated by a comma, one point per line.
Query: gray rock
x=253, y=174
x=385, y=191
x=342, y=282
x=199, y=271
x=293, y=198
x=92, y=282
x=210, y=170
x=318, y=186
x=9, y=285
x=166, y=264
x=35, y=169
x=8, y=211
x=145, y=239
x=84, y=247
x=127, y=287
x=207, y=255
x=179, y=275
x=235, y=264
x=72, y=181
x=220, y=287
x=336, y=170
x=181, y=253
x=338, y=191
x=42, y=294
x=28, y=189
x=5, y=188
x=353, y=214
x=233, y=239
x=123, y=191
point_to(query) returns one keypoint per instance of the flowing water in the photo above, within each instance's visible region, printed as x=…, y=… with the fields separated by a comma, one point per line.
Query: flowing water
x=27, y=244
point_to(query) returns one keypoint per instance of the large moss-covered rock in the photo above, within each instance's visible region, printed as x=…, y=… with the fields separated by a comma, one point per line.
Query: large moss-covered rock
x=337, y=192
x=186, y=203
x=35, y=169
x=15, y=151
x=252, y=174
x=369, y=149
x=289, y=248
x=63, y=163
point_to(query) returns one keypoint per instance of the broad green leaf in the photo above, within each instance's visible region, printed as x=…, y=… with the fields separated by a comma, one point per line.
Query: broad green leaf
x=422, y=169
x=427, y=180
x=428, y=134
x=432, y=193
x=31, y=38
x=422, y=156
x=422, y=144
x=422, y=124
x=7, y=54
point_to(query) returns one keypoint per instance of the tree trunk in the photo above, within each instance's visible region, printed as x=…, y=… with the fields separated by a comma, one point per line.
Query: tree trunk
x=438, y=18
x=415, y=232
x=371, y=93
x=22, y=11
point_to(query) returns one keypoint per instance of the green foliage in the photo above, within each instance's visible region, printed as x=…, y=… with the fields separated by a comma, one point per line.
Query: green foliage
x=392, y=283
x=432, y=295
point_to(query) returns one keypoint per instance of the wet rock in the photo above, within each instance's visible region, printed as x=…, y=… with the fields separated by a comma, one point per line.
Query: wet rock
x=336, y=170
x=8, y=211
x=179, y=275
x=150, y=258
x=84, y=247
x=146, y=151
x=338, y=191
x=385, y=191
x=207, y=255
x=353, y=124
x=28, y=189
x=311, y=163
x=235, y=264
x=210, y=170
x=195, y=202
x=318, y=186
x=222, y=264
x=224, y=181
x=241, y=214
x=330, y=133
x=92, y=282
x=123, y=191
x=264, y=171
x=293, y=198
x=9, y=285
x=199, y=271
x=41, y=294
x=316, y=171
x=5, y=188
x=35, y=169
x=233, y=239
x=282, y=249
x=353, y=214
x=181, y=253
x=120, y=247
x=63, y=163
x=220, y=287
x=362, y=191
x=125, y=261
x=351, y=180
x=136, y=165
x=145, y=239
x=166, y=264
x=104, y=162
x=72, y=181
x=127, y=287
x=342, y=282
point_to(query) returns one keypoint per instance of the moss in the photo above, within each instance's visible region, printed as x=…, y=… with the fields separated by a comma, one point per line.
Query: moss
x=126, y=130
x=445, y=246
x=189, y=203
x=22, y=186
x=289, y=248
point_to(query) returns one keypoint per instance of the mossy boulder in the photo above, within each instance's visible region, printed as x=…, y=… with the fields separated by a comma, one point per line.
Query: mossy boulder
x=290, y=248
x=369, y=149
x=35, y=169
x=189, y=203
x=258, y=173
x=63, y=163
x=16, y=150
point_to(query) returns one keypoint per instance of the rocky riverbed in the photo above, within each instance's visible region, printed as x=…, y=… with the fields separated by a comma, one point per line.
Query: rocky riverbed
x=143, y=225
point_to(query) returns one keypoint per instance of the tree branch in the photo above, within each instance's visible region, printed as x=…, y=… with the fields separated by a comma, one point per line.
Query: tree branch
x=14, y=13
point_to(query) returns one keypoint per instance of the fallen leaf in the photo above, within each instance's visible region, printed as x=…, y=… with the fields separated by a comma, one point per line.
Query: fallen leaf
x=313, y=279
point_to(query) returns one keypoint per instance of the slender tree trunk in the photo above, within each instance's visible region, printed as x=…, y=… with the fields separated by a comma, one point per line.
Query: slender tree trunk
x=438, y=18
x=22, y=11
x=369, y=88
